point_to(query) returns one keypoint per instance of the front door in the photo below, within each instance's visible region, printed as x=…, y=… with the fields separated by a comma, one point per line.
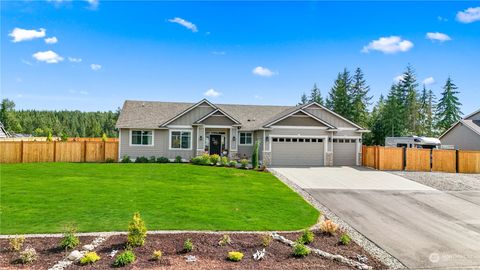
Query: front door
x=215, y=144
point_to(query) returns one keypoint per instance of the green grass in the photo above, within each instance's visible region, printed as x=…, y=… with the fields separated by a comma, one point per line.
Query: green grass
x=44, y=197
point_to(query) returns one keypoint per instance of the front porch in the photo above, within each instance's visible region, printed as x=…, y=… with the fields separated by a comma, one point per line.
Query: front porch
x=220, y=140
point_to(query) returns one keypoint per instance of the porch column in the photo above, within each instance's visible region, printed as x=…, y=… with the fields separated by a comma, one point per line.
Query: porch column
x=200, y=140
x=233, y=142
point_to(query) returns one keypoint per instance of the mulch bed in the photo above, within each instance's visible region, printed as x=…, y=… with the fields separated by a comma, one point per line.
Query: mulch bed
x=209, y=254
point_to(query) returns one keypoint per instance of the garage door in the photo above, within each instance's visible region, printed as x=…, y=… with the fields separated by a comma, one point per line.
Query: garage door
x=344, y=152
x=297, y=151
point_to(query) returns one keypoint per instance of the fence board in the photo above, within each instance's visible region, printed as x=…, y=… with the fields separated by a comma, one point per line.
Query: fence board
x=38, y=151
x=10, y=152
x=417, y=159
x=369, y=156
x=94, y=151
x=390, y=158
x=444, y=160
x=69, y=151
x=468, y=161
x=111, y=150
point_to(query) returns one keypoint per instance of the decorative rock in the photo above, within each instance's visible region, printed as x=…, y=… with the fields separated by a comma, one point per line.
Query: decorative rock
x=259, y=255
x=88, y=247
x=113, y=253
x=75, y=255
x=362, y=258
x=190, y=258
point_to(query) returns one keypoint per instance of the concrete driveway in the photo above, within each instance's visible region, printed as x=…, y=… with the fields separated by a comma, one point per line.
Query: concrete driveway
x=420, y=226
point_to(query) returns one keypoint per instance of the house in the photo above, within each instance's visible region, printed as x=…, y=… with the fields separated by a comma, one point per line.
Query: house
x=308, y=134
x=3, y=131
x=465, y=134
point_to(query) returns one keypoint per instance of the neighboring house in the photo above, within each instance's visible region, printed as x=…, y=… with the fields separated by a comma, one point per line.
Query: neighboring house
x=465, y=134
x=3, y=131
x=307, y=134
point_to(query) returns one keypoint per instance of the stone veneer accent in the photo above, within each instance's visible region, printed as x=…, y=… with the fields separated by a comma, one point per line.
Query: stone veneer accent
x=201, y=152
x=267, y=158
x=232, y=154
x=329, y=159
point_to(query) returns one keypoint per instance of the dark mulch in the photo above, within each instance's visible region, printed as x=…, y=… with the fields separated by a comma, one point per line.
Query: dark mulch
x=210, y=255
x=48, y=252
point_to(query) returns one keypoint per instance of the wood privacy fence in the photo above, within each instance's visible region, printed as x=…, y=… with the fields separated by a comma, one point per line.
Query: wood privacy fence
x=56, y=151
x=413, y=159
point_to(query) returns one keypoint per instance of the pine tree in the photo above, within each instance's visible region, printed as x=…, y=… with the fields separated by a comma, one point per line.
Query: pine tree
x=339, y=99
x=316, y=95
x=408, y=96
x=393, y=123
x=376, y=136
x=360, y=98
x=448, y=110
x=427, y=113
x=303, y=99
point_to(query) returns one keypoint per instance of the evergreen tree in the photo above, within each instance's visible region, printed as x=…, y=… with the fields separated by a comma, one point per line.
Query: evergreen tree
x=360, y=98
x=339, y=99
x=303, y=99
x=427, y=113
x=393, y=122
x=448, y=109
x=315, y=95
x=408, y=96
x=376, y=136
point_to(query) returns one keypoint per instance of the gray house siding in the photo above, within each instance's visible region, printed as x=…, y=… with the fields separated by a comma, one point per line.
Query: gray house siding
x=193, y=115
x=328, y=117
x=462, y=138
x=218, y=120
x=297, y=120
x=475, y=116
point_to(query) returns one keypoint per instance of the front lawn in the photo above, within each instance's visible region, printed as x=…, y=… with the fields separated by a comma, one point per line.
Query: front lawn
x=44, y=197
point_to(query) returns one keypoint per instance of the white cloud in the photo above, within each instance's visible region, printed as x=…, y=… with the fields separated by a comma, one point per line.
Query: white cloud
x=19, y=34
x=429, y=81
x=73, y=91
x=74, y=60
x=49, y=57
x=212, y=93
x=437, y=36
x=184, y=23
x=27, y=62
x=469, y=15
x=442, y=19
x=95, y=67
x=263, y=71
x=219, y=53
x=398, y=78
x=93, y=3
x=391, y=44
x=51, y=40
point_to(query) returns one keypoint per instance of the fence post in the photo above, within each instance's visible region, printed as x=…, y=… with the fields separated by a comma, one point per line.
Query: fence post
x=104, y=149
x=84, y=151
x=54, y=151
x=21, y=151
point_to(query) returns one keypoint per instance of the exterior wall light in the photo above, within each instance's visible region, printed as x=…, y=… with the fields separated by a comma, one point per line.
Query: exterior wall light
x=233, y=138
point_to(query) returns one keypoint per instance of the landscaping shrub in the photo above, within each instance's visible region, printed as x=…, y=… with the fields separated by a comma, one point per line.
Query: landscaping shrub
x=104, y=137
x=300, y=250
x=205, y=159
x=124, y=258
x=64, y=137
x=163, y=160
x=235, y=256
x=306, y=238
x=188, y=245
x=244, y=163
x=90, y=257
x=225, y=240
x=345, y=239
x=178, y=159
x=137, y=232
x=196, y=160
x=70, y=240
x=232, y=163
x=141, y=159
x=16, y=243
x=126, y=159
x=28, y=255
x=224, y=161
x=49, y=137
x=152, y=159
x=255, y=155
x=214, y=159
x=109, y=160
x=156, y=255
x=266, y=240
x=328, y=227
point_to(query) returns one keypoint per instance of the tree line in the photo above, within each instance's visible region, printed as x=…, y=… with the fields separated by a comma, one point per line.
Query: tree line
x=405, y=111
x=64, y=123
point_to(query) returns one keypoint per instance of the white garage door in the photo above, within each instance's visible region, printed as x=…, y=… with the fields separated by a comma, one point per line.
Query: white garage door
x=288, y=151
x=344, y=152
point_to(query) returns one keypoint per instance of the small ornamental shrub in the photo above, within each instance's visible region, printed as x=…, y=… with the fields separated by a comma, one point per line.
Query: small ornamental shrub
x=214, y=159
x=244, y=163
x=124, y=258
x=104, y=137
x=255, y=155
x=109, y=160
x=235, y=256
x=225, y=240
x=178, y=159
x=188, y=245
x=137, y=232
x=266, y=240
x=156, y=255
x=163, y=160
x=16, y=243
x=126, y=159
x=70, y=240
x=152, y=159
x=345, y=239
x=232, y=163
x=205, y=159
x=49, y=137
x=141, y=159
x=195, y=160
x=28, y=255
x=328, y=227
x=224, y=161
x=306, y=238
x=89, y=258
x=64, y=137
x=300, y=250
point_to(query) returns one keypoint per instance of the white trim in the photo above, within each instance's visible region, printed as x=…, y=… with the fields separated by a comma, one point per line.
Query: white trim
x=198, y=139
x=141, y=145
x=264, y=142
x=299, y=127
x=358, y=145
x=180, y=149
x=296, y=111
x=325, y=143
x=179, y=126
x=215, y=111
x=334, y=113
x=236, y=138
x=470, y=115
x=189, y=109
x=218, y=126
x=119, y=143
x=245, y=144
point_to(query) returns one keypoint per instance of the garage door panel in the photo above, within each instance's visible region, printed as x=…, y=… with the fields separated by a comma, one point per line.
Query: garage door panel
x=297, y=152
x=344, y=152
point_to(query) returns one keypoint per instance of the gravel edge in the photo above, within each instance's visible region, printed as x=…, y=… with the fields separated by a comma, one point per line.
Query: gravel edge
x=372, y=248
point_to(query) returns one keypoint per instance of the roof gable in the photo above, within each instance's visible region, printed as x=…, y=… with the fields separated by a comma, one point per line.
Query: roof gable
x=198, y=109
x=333, y=117
x=473, y=116
x=218, y=113
x=295, y=112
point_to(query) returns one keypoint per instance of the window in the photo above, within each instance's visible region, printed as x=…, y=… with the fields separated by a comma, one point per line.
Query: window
x=181, y=140
x=141, y=137
x=246, y=138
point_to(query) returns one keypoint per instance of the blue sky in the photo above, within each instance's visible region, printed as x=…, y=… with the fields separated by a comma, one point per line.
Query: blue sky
x=248, y=52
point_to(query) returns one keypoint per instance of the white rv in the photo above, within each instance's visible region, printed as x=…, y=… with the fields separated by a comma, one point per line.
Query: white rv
x=413, y=142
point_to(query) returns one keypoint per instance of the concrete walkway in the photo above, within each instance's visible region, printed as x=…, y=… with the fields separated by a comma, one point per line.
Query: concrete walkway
x=420, y=226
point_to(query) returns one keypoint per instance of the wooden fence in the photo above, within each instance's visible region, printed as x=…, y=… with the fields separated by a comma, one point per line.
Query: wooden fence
x=412, y=159
x=57, y=151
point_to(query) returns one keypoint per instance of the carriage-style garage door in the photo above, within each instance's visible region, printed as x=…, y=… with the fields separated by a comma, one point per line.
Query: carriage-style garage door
x=288, y=151
x=344, y=152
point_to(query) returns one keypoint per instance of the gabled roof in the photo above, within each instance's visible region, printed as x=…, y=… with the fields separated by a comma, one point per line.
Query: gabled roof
x=217, y=111
x=334, y=113
x=474, y=125
x=472, y=114
x=187, y=110
x=292, y=112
